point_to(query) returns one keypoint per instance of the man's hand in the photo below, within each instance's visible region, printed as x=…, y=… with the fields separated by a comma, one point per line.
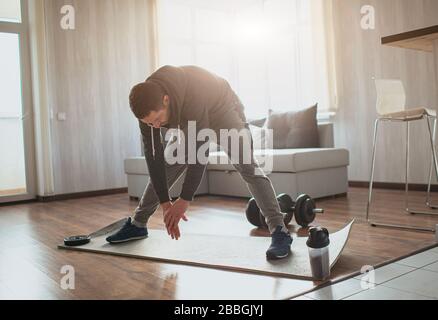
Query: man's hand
x=166, y=207
x=173, y=214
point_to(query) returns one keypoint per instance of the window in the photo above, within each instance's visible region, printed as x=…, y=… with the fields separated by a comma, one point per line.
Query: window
x=272, y=52
x=10, y=11
x=16, y=176
x=12, y=176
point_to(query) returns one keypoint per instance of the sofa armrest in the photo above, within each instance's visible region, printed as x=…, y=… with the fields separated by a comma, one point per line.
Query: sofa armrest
x=326, y=137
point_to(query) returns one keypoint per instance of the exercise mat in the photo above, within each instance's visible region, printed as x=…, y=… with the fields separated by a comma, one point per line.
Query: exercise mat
x=234, y=253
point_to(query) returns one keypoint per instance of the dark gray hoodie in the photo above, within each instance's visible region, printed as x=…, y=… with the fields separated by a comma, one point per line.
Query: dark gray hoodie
x=195, y=95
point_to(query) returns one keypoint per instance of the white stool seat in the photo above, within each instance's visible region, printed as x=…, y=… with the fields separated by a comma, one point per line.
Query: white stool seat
x=409, y=114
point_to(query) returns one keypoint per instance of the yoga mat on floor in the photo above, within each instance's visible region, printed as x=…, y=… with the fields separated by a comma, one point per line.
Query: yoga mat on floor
x=245, y=254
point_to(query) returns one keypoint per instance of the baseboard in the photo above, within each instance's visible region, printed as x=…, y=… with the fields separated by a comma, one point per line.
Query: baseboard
x=13, y=203
x=392, y=185
x=353, y=184
x=77, y=195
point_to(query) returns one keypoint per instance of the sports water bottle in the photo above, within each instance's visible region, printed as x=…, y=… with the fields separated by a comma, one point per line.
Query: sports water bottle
x=318, y=244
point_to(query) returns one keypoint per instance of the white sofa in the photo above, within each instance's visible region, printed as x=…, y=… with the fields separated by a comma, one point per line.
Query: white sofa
x=319, y=172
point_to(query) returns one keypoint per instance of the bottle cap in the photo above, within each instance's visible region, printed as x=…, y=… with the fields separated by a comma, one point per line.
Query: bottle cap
x=318, y=238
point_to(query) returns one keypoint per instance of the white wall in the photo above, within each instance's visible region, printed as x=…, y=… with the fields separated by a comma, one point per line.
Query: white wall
x=90, y=72
x=359, y=57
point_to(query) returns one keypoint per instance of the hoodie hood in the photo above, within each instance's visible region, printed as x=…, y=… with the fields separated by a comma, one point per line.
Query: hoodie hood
x=196, y=95
x=174, y=82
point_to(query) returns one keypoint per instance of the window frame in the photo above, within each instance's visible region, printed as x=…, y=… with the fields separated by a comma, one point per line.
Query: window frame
x=21, y=28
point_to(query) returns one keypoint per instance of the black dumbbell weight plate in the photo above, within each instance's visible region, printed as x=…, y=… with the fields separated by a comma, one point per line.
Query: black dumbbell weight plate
x=77, y=240
x=253, y=213
x=286, y=206
x=263, y=223
x=285, y=201
x=304, y=210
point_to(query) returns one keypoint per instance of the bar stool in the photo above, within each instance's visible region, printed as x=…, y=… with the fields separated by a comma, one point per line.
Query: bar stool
x=391, y=106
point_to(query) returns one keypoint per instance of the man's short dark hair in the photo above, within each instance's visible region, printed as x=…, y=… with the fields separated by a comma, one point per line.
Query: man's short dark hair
x=146, y=97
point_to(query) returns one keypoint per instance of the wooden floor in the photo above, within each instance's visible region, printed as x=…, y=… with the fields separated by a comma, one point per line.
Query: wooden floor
x=30, y=263
x=11, y=192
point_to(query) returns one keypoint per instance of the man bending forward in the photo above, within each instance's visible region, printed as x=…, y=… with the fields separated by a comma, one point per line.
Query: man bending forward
x=171, y=98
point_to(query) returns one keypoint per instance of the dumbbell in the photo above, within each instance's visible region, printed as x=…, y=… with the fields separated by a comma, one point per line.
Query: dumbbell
x=304, y=209
x=256, y=218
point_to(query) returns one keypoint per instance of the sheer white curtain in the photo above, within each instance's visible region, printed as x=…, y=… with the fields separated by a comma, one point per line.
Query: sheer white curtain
x=273, y=52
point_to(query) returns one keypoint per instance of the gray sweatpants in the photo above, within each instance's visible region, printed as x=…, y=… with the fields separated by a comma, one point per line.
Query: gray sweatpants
x=258, y=184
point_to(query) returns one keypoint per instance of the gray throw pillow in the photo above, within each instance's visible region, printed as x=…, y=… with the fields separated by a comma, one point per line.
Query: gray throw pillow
x=295, y=129
x=257, y=122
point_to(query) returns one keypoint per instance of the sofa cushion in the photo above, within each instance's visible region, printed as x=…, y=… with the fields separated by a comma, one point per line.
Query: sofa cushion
x=295, y=129
x=261, y=138
x=257, y=122
x=136, y=165
x=284, y=160
x=288, y=160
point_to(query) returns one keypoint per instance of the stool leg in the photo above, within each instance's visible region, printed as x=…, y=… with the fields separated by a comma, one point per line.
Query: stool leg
x=407, y=169
x=428, y=203
x=406, y=227
x=373, y=162
x=434, y=161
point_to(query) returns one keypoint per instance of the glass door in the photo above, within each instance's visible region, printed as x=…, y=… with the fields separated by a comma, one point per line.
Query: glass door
x=16, y=136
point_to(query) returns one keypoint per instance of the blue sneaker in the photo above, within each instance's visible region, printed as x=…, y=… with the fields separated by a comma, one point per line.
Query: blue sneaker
x=127, y=233
x=280, y=245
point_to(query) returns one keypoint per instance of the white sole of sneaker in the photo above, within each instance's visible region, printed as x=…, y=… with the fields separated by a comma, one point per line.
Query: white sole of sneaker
x=130, y=239
x=272, y=257
x=283, y=256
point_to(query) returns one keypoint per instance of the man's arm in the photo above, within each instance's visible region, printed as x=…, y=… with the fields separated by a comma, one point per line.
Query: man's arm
x=196, y=170
x=177, y=211
x=192, y=180
x=154, y=154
